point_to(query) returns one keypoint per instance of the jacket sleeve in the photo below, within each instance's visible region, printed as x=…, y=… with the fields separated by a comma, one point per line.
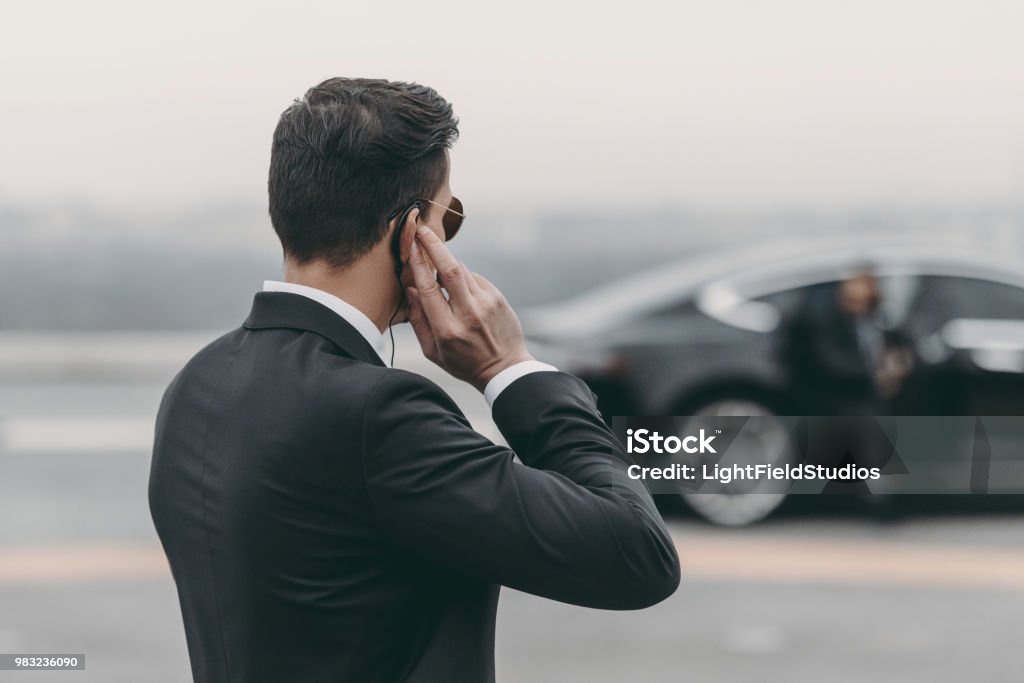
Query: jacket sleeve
x=567, y=523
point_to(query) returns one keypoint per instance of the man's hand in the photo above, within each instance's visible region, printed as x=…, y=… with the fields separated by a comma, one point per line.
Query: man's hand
x=894, y=366
x=473, y=334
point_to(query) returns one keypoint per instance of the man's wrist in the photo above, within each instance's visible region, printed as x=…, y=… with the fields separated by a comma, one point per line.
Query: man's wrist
x=499, y=366
x=510, y=374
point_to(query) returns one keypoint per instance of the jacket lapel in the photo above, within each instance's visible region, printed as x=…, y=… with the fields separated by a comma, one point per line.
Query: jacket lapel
x=284, y=310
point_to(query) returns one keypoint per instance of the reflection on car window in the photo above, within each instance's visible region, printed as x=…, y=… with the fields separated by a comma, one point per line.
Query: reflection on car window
x=944, y=298
x=961, y=297
x=788, y=300
x=676, y=310
x=897, y=296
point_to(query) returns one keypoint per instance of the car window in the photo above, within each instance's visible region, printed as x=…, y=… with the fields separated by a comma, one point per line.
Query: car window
x=943, y=298
x=679, y=309
x=787, y=300
x=897, y=293
x=961, y=297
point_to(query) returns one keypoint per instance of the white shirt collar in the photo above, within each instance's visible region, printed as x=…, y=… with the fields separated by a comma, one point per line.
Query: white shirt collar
x=352, y=315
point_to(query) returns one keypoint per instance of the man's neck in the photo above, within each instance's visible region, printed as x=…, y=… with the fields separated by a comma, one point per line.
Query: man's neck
x=362, y=284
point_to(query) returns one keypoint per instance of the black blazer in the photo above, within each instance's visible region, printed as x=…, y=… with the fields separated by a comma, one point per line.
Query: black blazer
x=327, y=518
x=826, y=367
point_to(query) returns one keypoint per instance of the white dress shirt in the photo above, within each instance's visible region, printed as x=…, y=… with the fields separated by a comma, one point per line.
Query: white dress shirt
x=366, y=327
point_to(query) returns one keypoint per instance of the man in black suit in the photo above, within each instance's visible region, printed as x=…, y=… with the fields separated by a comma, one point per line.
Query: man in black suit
x=844, y=362
x=329, y=518
x=832, y=347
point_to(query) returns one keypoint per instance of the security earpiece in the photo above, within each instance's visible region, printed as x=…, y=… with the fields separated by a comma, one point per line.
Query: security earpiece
x=396, y=241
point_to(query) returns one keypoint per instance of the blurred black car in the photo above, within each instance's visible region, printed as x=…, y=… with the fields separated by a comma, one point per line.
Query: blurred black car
x=701, y=337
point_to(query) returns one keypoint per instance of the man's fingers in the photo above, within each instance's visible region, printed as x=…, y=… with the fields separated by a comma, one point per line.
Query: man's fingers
x=487, y=291
x=431, y=299
x=485, y=285
x=470, y=278
x=448, y=267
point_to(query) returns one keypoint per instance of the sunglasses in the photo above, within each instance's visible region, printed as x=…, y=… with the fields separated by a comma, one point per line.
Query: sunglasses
x=452, y=220
x=453, y=217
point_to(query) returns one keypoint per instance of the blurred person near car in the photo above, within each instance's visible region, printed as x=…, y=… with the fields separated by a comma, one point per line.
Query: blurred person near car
x=840, y=354
x=845, y=363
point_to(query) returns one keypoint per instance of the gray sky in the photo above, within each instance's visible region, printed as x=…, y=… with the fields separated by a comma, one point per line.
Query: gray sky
x=719, y=102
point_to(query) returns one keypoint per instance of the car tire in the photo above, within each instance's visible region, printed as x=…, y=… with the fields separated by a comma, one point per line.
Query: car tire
x=740, y=503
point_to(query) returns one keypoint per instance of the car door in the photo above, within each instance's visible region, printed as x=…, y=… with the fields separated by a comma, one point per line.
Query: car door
x=969, y=334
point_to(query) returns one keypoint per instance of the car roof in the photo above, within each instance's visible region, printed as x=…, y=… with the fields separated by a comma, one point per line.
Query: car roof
x=775, y=265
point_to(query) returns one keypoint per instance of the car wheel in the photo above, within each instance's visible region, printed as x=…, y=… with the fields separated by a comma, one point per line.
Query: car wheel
x=763, y=441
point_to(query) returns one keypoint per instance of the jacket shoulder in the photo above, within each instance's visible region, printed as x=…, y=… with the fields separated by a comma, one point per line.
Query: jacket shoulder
x=395, y=384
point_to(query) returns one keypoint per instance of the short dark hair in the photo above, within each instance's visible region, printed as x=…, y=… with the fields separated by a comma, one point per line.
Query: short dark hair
x=348, y=154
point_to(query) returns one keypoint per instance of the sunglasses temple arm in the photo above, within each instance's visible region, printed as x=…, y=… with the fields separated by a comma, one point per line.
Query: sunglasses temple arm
x=446, y=208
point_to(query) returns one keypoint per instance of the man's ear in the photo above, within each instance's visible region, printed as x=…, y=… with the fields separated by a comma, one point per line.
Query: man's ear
x=408, y=234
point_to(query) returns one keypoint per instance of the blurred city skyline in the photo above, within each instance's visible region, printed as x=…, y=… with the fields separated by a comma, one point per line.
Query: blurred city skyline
x=132, y=107
x=197, y=267
x=596, y=141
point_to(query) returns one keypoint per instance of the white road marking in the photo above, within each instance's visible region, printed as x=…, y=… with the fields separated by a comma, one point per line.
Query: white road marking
x=849, y=561
x=75, y=435
x=732, y=558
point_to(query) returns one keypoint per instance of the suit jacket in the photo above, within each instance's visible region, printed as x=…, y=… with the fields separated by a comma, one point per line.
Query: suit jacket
x=327, y=518
x=827, y=367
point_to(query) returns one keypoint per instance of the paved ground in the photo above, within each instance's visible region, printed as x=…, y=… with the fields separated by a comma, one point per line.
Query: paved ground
x=820, y=593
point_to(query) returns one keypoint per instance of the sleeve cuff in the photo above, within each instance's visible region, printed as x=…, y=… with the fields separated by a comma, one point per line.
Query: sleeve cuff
x=503, y=379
